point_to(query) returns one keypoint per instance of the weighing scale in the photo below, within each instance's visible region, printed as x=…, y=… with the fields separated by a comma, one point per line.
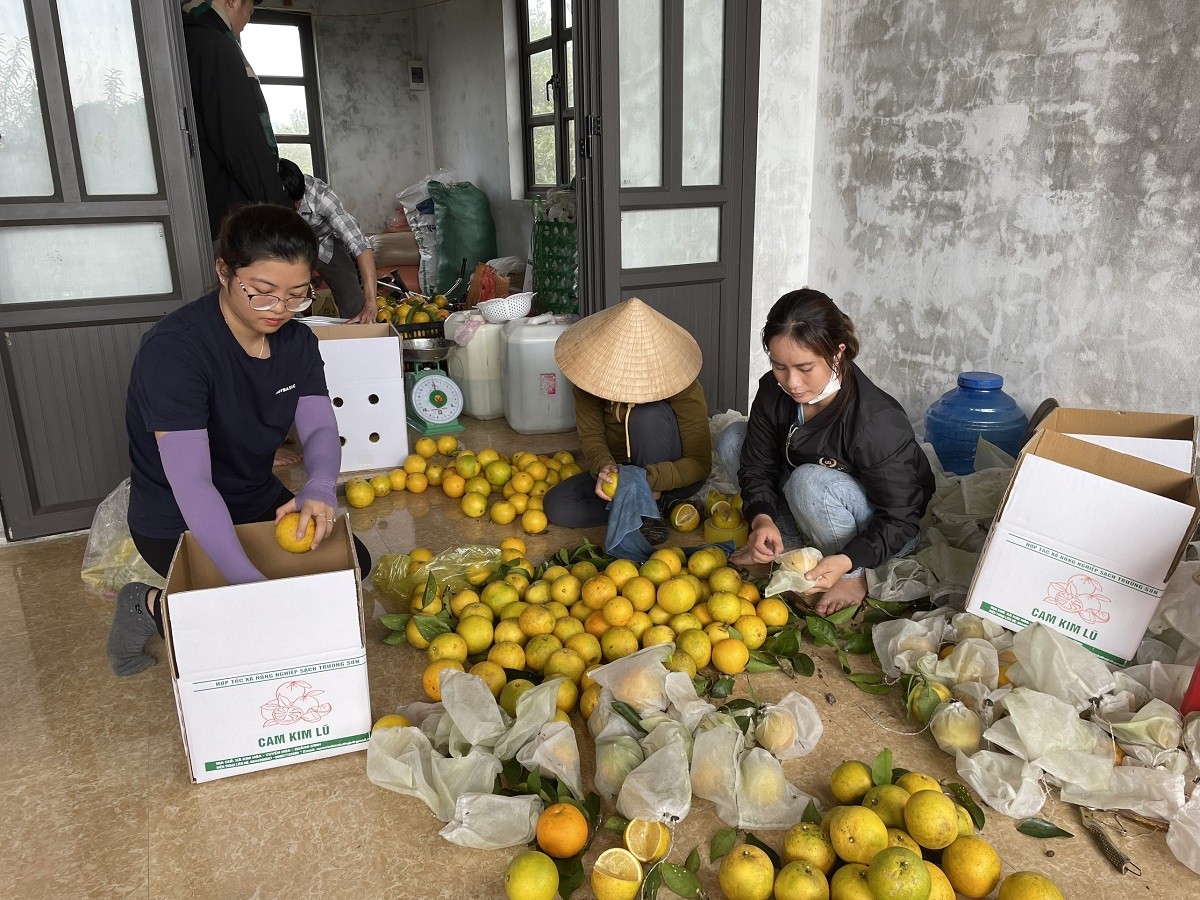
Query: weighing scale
x=434, y=401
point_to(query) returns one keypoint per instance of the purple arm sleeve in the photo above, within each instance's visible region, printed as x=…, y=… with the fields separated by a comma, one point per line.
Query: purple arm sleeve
x=188, y=464
x=318, y=432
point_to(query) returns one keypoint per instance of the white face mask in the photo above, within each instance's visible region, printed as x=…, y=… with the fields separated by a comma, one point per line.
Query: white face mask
x=834, y=385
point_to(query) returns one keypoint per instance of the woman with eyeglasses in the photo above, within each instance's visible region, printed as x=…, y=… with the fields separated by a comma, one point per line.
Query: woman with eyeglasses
x=826, y=458
x=214, y=388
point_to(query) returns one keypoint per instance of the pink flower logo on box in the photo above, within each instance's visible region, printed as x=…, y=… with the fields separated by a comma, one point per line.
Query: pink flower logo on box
x=549, y=383
x=1080, y=595
x=294, y=701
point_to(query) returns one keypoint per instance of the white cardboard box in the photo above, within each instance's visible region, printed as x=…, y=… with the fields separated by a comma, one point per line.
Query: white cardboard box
x=268, y=674
x=365, y=375
x=1168, y=439
x=1084, y=542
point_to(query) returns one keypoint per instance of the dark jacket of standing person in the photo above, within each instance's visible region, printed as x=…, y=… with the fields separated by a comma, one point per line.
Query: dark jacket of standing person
x=233, y=128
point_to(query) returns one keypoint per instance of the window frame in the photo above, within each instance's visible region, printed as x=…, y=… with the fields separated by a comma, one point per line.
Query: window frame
x=563, y=115
x=315, y=137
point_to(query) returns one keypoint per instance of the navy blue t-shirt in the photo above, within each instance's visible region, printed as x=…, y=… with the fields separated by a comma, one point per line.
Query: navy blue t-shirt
x=190, y=373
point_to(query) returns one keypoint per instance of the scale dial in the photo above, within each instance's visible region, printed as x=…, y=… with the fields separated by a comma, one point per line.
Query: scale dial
x=436, y=399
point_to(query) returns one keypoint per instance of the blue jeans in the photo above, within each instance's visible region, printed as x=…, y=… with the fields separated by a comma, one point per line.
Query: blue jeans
x=827, y=508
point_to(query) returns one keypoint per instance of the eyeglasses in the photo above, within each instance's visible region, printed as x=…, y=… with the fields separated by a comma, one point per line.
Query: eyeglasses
x=264, y=302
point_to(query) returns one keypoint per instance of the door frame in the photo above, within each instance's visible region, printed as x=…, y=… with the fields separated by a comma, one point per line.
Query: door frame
x=601, y=200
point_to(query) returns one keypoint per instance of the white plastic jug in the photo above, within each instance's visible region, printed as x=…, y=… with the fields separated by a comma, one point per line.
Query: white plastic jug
x=476, y=368
x=537, y=396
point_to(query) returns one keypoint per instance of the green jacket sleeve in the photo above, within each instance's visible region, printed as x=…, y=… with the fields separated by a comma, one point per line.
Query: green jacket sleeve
x=691, y=409
x=589, y=425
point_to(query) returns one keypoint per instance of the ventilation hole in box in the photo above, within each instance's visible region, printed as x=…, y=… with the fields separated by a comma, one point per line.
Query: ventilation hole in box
x=337, y=401
x=374, y=398
x=342, y=439
x=374, y=437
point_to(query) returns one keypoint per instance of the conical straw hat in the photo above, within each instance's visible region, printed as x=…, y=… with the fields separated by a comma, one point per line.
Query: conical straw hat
x=628, y=353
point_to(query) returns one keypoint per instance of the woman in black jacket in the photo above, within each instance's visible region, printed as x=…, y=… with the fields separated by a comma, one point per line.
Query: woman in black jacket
x=838, y=451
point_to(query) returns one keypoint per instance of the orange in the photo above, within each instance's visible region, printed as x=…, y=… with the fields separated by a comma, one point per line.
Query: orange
x=417, y=483
x=562, y=830
x=415, y=463
x=533, y=521
x=285, y=534
x=397, y=477
x=453, y=485
x=435, y=474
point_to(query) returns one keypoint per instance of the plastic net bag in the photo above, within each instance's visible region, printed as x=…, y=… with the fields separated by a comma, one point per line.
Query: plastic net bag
x=485, y=821
x=403, y=760
x=660, y=789
x=555, y=752
x=956, y=728
x=111, y=560
x=534, y=709
x=616, y=756
x=638, y=679
x=790, y=574
x=1056, y=665
x=973, y=659
x=715, y=771
x=395, y=575
x=1007, y=784
x=1154, y=793
x=765, y=798
x=790, y=728
x=478, y=720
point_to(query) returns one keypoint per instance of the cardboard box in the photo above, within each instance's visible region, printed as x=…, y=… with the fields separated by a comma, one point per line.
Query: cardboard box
x=268, y=674
x=1168, y=439
x=364, y=371
x=1084, y=542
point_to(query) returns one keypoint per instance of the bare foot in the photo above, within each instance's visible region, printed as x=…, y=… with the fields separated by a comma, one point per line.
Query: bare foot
x=285, y=458
x=846, y=592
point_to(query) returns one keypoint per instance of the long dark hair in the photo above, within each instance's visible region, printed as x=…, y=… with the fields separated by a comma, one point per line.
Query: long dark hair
x=265, y=231
x=811, y=319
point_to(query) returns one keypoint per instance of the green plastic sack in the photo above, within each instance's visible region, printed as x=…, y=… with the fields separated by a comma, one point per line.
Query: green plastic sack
x=465, y=229
x=395, y=575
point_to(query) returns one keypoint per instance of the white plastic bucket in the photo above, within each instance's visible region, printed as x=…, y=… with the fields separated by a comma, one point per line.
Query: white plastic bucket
x=476, y=368
x=537, y=396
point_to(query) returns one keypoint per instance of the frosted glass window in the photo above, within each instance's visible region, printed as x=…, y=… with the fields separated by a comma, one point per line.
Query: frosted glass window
x=569, y=65
x=641, y=75
x=670, y=237
x=541, y=70
x=105, y=76
x=300, y=154
x=539, y=19
x=24, y=159
x=288, y=108
x=545, y=155
x=41, y=263
x=273, y=50
x=703, y=69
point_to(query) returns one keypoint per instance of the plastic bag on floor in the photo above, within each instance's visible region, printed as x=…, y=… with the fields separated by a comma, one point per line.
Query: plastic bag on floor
x=664, y=730
x=111, y=560
x=555, y=752
x=1054, y=664
x=1047, y=732
x=683, y=703
x=660, y=789
x=899, y=643
x=491, y=822
x=1163, y=682
x=956, y=728
x=1155, y=725
x=790, y=728
x=1183, y=837
x=1180, y=604
x=477, y=718
x=973, y=659
x=765, y=798
x=1154, y=793
x=616, y=757
x=403, y=760
x=1007, y=784
x=715, y=770
x=606, y=722
x=396, y=575
x=638, y=679
x=899, y=580
x=534, y=709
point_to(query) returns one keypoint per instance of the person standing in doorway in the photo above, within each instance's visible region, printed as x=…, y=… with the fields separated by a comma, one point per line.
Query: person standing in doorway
x=233, y=128
x=345, y=258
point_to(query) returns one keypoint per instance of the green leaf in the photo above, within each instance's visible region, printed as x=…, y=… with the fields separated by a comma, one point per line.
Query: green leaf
x=785, y=643
x=823, y=634
x=964, y=799
x=722, y=842
x=735, y=634
x=701, y=685
x=430, y=592
x=878, y=690
x=514, y=773
x=680, y=880
x=395, y=637
x=692, y=864
x=812, y=815
x=570, y=875
x=881, y=767
x=722, y=687
x=844, y=661
x=1040, y=828
x=923, y=700
x=616, y=823
x=890, y=608
x=629, y=714
x=842, y=616
x=755, y=842
x=859, y=642
x=591, y=806
x=431, y=626
x=761, y=662
x=803, y=664
x=652, y=883
x=733, y=707
x=534, y=781
x=861, y=678
x=395, y=621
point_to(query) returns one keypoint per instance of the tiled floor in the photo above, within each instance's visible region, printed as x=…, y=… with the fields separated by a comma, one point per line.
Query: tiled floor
x=97, y=800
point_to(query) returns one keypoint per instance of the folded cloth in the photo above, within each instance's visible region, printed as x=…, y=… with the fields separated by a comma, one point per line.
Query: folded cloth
x=633, y=502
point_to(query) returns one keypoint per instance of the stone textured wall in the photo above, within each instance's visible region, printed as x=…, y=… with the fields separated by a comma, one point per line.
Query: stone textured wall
x=1007, y=185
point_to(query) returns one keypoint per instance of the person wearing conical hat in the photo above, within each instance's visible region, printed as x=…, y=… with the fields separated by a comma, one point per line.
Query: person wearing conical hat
x=637, y=402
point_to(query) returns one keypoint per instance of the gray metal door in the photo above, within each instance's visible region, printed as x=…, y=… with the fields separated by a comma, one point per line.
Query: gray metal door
x=668, y=103
x=100, y=235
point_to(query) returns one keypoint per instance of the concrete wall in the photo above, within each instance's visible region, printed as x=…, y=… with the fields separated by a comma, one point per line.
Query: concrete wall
x=1010, y=185
x=465, y=47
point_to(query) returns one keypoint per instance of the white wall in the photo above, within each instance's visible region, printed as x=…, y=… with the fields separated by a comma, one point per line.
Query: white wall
x=997, y=184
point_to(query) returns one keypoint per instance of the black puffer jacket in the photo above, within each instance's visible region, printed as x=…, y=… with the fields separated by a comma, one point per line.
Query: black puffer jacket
x=864, y=433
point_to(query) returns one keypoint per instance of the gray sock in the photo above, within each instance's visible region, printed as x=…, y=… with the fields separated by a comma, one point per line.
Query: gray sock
x=132, y=628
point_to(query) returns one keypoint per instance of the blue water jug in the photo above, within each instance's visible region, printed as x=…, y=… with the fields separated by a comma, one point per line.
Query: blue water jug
x=976, y=408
